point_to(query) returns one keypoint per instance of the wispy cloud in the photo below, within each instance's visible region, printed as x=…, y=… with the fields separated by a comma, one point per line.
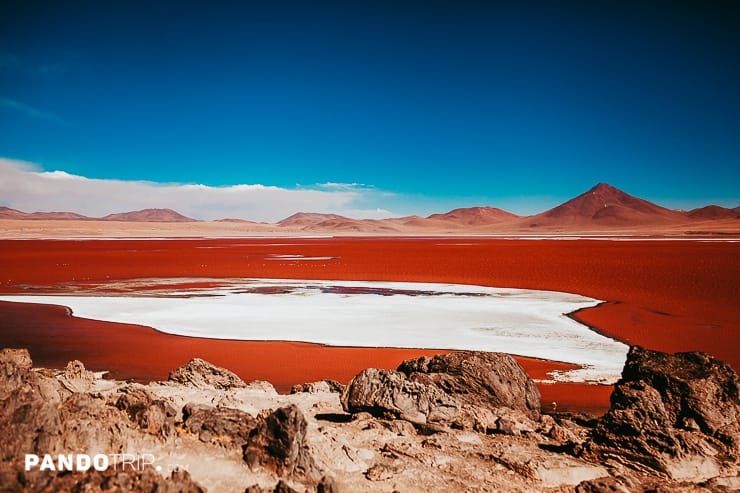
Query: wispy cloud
x=340, y=186
x=28, y=110
x=27, y=187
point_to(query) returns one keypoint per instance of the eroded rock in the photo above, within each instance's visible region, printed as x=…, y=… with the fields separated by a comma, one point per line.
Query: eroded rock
x=480, y=379
x=76, y=378
x=327, y=485
x=15, y=364
x=487, y=392
x=144, y=480
x=150, y=413
x=677, y=414
x=226, y=427
x=278, y=444
x=320, y=386
x=387, y=393
x=199, y=373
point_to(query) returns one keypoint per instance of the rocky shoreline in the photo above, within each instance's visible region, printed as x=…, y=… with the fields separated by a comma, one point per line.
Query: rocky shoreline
x=462, y=421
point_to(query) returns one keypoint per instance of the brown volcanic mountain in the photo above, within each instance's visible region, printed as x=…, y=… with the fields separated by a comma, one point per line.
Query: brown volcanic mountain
x=150, y=215
x=607, y=207
x=8, y=213
x=300, y=219
x=714, y=212
x=475, y=216
x=603, y=208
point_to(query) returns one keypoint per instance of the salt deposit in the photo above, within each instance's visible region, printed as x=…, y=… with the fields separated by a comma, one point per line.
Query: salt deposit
x=371, y=314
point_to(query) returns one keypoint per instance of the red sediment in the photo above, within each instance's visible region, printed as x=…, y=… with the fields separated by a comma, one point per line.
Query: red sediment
x=665, y=295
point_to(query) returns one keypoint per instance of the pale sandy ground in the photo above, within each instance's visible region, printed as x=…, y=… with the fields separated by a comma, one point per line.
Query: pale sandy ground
x=12, y=228
x=365, y=454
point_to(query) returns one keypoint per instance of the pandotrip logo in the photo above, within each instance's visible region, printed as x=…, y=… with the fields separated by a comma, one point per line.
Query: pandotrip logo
x=97, y=462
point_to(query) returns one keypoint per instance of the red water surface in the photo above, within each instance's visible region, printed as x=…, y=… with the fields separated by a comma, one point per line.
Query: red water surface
x=665, y=295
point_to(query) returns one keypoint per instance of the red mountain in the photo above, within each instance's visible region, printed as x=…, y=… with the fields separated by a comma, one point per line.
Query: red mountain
x=150, y=215
x=8, y=213
x=308, y=218
x=475, y=216
x=604, y=206
x=713, y=212
x=345, y=224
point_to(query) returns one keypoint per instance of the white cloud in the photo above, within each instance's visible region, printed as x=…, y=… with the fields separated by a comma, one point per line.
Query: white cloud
x=26, y=187
x=341, y=186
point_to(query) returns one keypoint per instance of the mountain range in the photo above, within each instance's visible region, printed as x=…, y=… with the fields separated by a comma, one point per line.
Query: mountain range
x=602, y=208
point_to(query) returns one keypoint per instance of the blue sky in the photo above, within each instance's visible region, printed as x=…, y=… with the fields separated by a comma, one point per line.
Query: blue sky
x=424, y=106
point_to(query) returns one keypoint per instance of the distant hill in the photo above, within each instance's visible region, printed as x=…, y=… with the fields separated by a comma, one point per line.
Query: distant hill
x=308, y=218
x=475, y=216
x=604, y=206
x=150, y=215
x=601, y=208
x=714, y=212
x=8, y=213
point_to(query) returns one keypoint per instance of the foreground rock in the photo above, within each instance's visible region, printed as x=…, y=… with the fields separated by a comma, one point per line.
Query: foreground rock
x=320, y=386
x=464, y=389
x=486, y=380
x=278, y=444
x=201, y=374
x=145, y=480
x=675, y=414
x=460, y=422
x=388, y=393
x=227, y=427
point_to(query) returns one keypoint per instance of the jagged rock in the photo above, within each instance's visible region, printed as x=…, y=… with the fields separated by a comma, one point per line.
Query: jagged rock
x=280, y=487
x=400, y=427
x=387, y=393
x=255, y=488
x=609, y=485
x=200, y=374
x=677, y=414
x=327, y=485
x=222, y=426
x=146, y=479
x=320, y=386
x=561, y=434
x=76, y=378
x=551, y=470
x=14, y=366
x=88, y=425
x=151, y=414
x=514, y=423
x=728, y=484
x=381, y=472
x=262, y=386
x=41, y=416
x=283, y=487
x=480, y=379
x=30, y=419
x=473, y=390
x=278, y=444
